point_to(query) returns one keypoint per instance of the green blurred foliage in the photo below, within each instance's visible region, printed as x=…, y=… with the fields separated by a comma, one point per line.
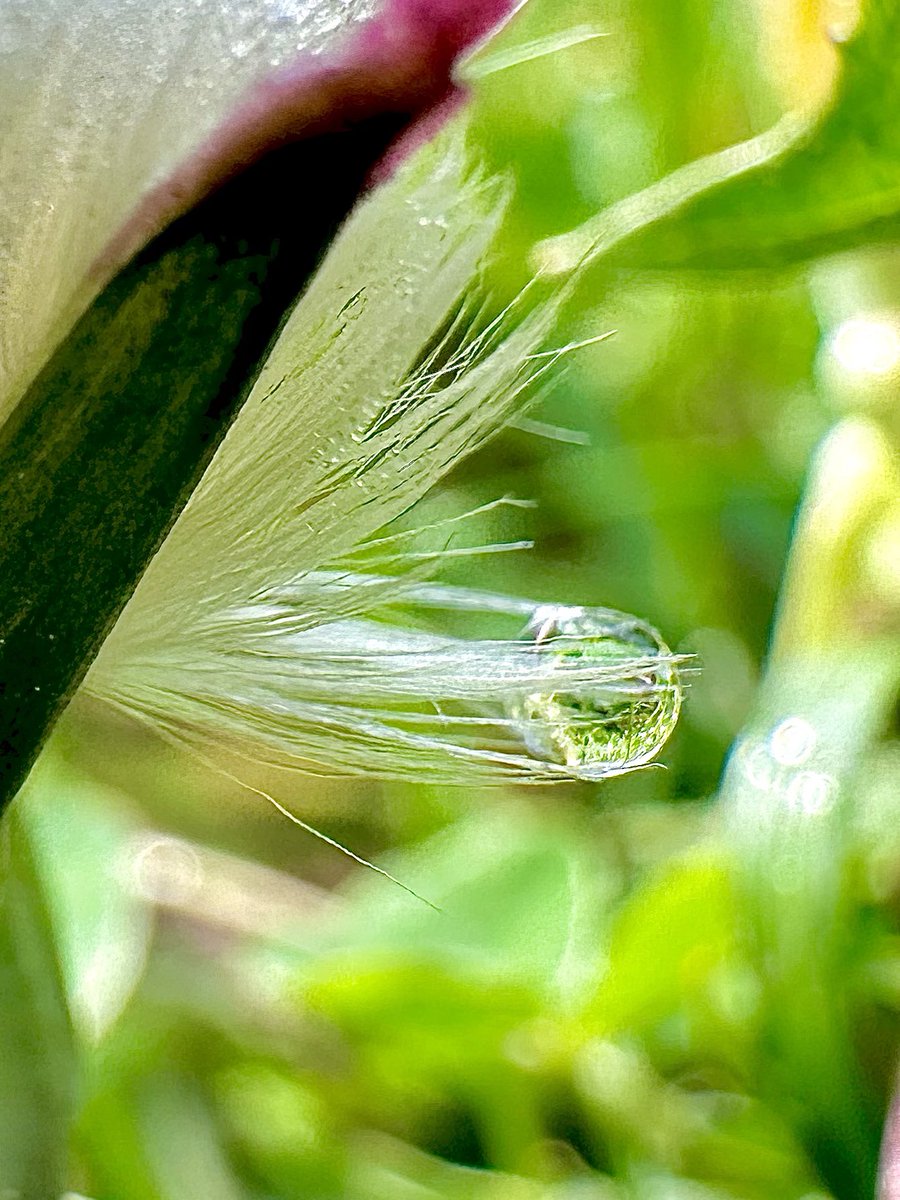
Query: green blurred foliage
x=647, y=989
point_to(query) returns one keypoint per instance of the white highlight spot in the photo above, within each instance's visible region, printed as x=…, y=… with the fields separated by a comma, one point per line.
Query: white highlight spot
x=865, y=346
x=810, y=792
x=792, y=742
x=166, y=870
x=104, y=986
x=756, y=763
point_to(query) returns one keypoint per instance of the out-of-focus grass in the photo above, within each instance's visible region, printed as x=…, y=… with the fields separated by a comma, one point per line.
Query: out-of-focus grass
x=639, y=989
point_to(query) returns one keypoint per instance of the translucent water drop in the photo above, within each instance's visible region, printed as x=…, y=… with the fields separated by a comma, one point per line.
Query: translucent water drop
x=613, y=692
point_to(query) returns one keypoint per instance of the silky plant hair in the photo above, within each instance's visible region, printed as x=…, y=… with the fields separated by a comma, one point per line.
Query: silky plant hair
x=279, y=619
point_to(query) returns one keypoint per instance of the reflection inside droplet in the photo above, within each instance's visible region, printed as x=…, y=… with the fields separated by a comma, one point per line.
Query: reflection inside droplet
x=613, y=692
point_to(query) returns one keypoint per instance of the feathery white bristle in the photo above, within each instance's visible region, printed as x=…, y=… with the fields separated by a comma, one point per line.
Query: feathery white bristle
x=261, y=622
x=352, y=695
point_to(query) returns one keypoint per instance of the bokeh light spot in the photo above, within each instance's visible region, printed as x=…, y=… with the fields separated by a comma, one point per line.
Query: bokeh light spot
x=866, y=346
x=166, y=870
x=792, y=741
x=810, y=792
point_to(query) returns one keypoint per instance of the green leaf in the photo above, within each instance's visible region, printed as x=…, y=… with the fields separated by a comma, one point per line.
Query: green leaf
x=37, y=1058
x=82, y=833
x=519, y=900
x=667, y=942
x=790, y=799
x=811, y=185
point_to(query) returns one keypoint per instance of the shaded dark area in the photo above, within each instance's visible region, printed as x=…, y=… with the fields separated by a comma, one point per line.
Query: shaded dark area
x=101, y=455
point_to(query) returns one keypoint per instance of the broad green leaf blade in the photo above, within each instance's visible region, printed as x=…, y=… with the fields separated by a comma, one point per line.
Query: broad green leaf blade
x=811, y=185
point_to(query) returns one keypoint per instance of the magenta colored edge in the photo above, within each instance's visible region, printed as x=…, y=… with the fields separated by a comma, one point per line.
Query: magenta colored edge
x=401, y=61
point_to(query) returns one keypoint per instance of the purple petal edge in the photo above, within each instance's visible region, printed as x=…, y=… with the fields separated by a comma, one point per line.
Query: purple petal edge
x=400, y=62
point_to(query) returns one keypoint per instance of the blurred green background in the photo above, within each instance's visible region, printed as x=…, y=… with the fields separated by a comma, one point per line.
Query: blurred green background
x=659, y=987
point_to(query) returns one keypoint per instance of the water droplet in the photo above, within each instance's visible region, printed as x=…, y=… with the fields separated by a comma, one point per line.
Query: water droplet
x=612, y=696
